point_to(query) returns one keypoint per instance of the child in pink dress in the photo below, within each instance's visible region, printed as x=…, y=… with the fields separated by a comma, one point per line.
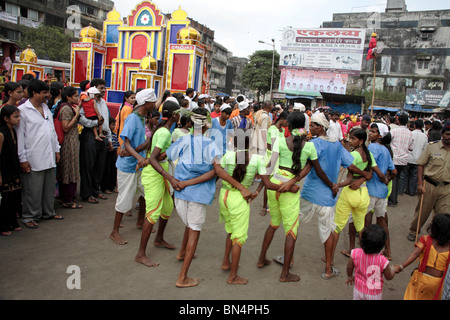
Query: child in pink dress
x=369, y=264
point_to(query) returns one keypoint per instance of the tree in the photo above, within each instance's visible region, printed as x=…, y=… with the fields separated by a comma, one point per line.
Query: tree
x=257, y=74
x=48, y=42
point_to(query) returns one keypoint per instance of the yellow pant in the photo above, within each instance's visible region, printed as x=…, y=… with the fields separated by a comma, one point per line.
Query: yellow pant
x=158, y=200
x=284, y=207
x=351, y=201
x=235, y=211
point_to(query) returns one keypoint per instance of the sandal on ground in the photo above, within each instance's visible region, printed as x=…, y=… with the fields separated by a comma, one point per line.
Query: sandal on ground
x=102, y=196
x=91, y=199
x=55, y=217
x=411, y=237
x=72, y=205
x=264, y=211
x=31, y=225
x=334, y=273
x=6, y=233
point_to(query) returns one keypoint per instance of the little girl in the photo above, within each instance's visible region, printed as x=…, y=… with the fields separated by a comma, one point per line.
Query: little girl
x=234, y=208
x=370, y=265
x=433, y=251
x=91, y=111
x=10, y=181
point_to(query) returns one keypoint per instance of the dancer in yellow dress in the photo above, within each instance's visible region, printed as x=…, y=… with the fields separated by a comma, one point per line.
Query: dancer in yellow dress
x=292, y=154
x=234, y=208
x=156, y=179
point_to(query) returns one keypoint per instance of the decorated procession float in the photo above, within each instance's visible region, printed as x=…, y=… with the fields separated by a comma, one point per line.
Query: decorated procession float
x=146, y=50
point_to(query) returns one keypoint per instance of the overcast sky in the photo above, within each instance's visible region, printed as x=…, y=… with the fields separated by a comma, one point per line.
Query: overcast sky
x=239, y=24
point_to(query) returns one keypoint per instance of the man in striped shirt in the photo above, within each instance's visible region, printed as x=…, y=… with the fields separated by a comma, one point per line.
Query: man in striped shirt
x=401, y=145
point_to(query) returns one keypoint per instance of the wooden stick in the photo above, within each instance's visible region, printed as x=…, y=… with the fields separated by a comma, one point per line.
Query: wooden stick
x=420, y=214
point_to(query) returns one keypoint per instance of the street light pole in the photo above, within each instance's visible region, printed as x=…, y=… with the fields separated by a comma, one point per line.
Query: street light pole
x=273, y=62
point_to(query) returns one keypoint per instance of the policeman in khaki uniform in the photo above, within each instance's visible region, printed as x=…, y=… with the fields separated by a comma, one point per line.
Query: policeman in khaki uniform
x=433, y=180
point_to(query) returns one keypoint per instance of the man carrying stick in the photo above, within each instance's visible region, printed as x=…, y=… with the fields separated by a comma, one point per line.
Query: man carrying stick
x=433, y=181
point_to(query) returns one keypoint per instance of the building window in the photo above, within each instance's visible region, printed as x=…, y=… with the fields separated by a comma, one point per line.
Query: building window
x=12, y=9
x=12, y=35
x=33, y=15
x=423, y=64
x=426, y=36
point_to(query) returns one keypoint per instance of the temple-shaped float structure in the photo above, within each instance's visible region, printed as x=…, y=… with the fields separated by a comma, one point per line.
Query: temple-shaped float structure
x=147, y=51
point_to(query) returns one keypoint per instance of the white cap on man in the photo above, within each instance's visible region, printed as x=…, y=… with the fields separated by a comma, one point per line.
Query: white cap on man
x=146, y=95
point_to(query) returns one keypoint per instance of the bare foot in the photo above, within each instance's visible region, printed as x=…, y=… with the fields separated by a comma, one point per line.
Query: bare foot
x=346, y=253
x=290, y=277
x=226, y=266
x=115, y=236
x=145, y=261
x=181, y=257
x=164, y=244
x=264, y=263
x=325, y=260
x=237, y=280
x=189, y=282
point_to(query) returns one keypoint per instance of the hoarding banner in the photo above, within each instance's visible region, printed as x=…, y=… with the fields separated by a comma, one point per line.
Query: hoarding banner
x=432, y=98
x=311, y=83
x=323, y=49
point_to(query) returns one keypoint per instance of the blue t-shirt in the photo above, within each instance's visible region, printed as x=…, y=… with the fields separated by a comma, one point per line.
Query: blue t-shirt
x=332, y=156
x=384, y=161
x=134, y=130
x=194, y=155
x=214, y=135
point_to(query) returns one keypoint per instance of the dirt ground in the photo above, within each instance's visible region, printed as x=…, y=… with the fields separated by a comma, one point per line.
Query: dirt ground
x=34, y=263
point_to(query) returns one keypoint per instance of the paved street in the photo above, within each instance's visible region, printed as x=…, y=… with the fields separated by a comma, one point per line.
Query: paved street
x=34, y=263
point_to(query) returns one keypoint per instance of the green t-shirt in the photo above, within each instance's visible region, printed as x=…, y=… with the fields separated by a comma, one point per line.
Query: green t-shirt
x=285, y=155
x=255, y=166
x=274, y=132
x=161, y=139
x=178, y=132
x=358, y=161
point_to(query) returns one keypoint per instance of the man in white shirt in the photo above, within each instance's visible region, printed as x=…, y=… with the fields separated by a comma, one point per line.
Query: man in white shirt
x=335, y=131
x=419, y=144
x=262, y=125
x=401, y=144
x=38, y=151
x=93, y=152
x=189, y=94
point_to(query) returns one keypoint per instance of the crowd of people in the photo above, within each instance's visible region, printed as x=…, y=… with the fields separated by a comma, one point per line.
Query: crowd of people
x=170, y=151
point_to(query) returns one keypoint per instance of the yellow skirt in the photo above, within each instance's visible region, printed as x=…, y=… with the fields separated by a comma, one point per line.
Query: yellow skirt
x=284, y=207
x=422, y=286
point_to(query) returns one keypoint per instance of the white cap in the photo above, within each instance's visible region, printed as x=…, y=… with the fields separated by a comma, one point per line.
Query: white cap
x=92, y=92
x=224, y=106
x=146, y=95
x=382, y=128
x=299, y=106
x=243, y=105
x=172, y=99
